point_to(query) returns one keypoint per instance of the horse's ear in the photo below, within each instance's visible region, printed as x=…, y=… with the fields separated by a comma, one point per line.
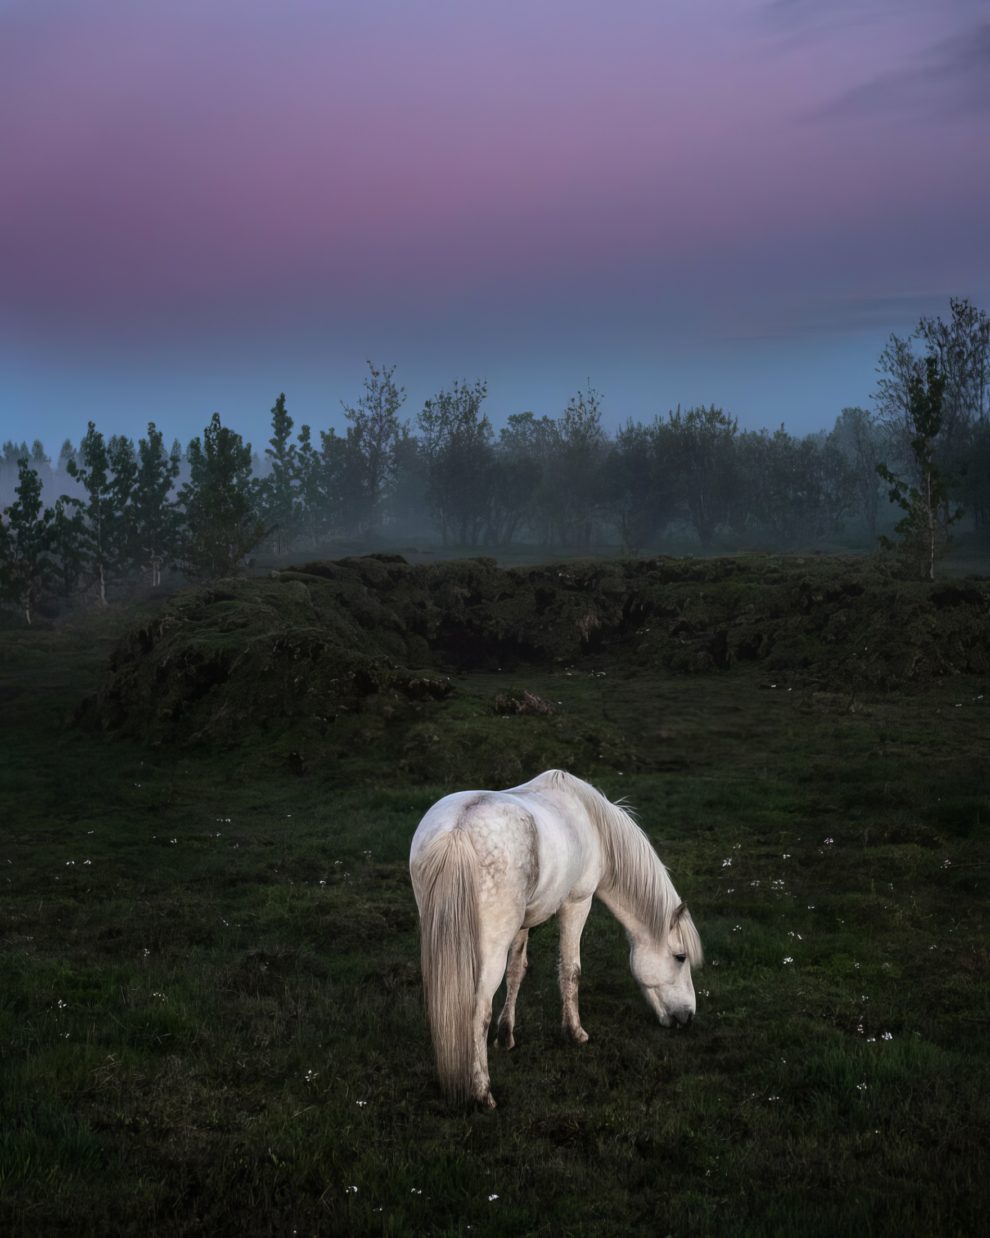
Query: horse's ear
x=680, y=910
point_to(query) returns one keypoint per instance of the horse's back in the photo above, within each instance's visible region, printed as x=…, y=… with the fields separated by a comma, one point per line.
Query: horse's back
x=501, y=830
x=532, y=853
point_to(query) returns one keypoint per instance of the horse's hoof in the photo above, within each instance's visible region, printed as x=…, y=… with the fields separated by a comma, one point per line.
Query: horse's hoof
x=578, y=1035
x=506, y=1041
x=487, y=1101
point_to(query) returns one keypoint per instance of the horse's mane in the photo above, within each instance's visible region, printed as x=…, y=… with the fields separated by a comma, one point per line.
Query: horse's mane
x=632, y=867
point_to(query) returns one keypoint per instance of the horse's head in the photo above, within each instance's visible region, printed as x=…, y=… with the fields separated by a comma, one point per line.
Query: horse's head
x=662, y=969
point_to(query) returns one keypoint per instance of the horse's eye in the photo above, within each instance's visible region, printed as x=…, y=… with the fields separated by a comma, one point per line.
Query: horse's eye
x=680, y=957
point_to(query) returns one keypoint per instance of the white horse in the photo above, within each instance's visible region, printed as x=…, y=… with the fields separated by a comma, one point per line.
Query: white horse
x=488, y=865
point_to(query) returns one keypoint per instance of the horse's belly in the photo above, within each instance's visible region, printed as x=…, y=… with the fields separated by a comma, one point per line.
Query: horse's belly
x=541, y=911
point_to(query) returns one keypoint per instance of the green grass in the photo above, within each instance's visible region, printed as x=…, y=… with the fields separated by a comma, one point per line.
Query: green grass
x=210, y=1007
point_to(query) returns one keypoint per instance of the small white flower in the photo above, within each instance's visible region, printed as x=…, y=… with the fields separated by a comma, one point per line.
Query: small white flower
x=727, y=863
x=860, y=1087
x=787, y=960
x=492, y=1197
x=886, y=1035
x=350, y=1190
x=829, y=842
x=737, y=929
x=360, y=1103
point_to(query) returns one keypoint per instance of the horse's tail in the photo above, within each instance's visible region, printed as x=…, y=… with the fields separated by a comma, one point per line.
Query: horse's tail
x=450, y=948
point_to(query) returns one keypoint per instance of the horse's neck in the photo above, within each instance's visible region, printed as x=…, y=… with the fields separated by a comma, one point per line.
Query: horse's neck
x=636, y=927
x=635, y=886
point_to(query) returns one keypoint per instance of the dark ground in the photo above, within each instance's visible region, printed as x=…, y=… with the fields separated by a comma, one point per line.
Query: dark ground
x=210, y=1011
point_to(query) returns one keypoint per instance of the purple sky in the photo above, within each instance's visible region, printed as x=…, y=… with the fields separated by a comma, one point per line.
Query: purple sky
x=205, y=202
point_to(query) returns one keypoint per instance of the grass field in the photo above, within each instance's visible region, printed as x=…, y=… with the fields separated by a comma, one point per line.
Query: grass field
x=210, y=1007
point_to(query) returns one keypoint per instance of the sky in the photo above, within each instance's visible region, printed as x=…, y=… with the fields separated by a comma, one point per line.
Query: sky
x=206, y=202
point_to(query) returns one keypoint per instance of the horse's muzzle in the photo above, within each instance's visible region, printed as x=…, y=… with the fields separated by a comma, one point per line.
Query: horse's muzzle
x=684, y=1018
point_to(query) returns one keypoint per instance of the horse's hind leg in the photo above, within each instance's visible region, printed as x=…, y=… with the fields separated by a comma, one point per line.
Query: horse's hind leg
x=572, y=917
x=495, y=947
x=515, y=971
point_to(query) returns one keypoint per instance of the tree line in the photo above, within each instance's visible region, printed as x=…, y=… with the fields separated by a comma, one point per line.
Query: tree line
x=134, y=510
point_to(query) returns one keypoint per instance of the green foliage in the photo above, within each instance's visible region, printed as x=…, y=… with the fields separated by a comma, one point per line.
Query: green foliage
x=796, y=490
x=684, y=480
x=26, y=558
x=925, y=503
x=279, y=490
x=855, y=436
x=102, y=531
x=373, y=433
x=576, y=468
x=155, y=515
x=222, y=522
x=702, y=442
x=638, y=484
x=457, y=446
x=961, y=348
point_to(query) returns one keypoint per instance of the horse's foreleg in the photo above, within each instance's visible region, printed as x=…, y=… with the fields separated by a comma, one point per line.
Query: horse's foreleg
x=514, y=973
x=572, y=917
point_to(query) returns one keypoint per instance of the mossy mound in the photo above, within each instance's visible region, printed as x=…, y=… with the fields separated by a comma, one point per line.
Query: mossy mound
x=248, y=656
x=359, y=653
x=823, y=621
